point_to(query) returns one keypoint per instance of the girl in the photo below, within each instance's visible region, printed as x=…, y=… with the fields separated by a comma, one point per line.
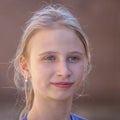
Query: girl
x=52, y=60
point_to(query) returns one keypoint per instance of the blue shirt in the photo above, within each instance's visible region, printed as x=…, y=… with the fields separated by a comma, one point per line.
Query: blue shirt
x=72, y=116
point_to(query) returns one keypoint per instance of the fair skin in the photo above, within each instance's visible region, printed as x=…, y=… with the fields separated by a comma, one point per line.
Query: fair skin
x=56, y=66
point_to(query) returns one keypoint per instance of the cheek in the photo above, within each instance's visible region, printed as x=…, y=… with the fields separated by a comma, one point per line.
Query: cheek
x=40, y=71
x=79, y=71
x=78, y=76
x=45, y=70
x=40, y=77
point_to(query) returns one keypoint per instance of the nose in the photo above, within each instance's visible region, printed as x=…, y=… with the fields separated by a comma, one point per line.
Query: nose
x=63, y=69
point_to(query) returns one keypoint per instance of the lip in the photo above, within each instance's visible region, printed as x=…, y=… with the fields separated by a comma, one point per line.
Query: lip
x=63, y=84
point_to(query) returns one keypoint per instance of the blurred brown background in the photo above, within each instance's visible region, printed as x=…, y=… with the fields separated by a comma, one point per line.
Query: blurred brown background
x=100, y=20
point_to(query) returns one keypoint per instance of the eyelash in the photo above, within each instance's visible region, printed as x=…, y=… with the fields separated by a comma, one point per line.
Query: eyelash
x=49, y=58
x=71, y=59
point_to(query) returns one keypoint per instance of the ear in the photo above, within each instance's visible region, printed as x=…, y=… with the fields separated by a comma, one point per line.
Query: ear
x=23, y=66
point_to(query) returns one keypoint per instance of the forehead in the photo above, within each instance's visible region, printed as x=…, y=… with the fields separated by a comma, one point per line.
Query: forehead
x=56, y=39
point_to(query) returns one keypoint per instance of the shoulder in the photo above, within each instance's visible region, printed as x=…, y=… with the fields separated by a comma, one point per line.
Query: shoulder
x=24, y=118
x=73, y=117
x=76, y=117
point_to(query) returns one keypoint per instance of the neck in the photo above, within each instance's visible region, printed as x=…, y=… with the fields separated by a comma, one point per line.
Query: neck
x=50, y=110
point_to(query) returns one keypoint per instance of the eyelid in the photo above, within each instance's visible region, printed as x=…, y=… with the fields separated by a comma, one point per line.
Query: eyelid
x=49, y=58
x=75, y=56
x=78, y=56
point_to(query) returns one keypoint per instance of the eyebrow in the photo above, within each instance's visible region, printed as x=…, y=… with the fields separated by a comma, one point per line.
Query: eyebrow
x=47, y=52
x=76, y=52
x=52, y=52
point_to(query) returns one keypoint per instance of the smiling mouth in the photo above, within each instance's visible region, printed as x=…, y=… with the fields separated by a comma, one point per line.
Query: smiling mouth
x=63, y=84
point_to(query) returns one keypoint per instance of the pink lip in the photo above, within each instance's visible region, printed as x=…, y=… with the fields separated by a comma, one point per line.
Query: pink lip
x=63, y=84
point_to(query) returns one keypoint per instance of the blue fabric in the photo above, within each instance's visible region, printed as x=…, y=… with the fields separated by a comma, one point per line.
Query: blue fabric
x=25, y=117
x=73, y=117
x=76, y=117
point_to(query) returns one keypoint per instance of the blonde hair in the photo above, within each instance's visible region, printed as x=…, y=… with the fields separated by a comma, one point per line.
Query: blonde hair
x=45, y=18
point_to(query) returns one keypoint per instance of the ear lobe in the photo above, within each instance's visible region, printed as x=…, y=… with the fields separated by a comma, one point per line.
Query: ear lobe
x=23, y=66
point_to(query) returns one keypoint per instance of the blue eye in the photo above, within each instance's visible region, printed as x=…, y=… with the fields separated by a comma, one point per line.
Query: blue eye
x=50, y=58
x=73, y=59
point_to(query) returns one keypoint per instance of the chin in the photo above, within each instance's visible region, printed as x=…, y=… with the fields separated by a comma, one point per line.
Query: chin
x=62, y=97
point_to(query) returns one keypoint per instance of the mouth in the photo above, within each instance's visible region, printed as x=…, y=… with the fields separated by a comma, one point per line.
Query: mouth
x=63, y=84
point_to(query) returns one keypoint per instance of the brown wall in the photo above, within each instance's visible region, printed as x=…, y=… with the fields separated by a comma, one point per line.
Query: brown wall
x=100, y=20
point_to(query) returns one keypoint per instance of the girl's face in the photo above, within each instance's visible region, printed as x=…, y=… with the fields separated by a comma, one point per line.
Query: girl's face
x=56, y=63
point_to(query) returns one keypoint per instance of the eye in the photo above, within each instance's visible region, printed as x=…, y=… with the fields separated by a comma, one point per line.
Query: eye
x=50, y=58
x=73, y=59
